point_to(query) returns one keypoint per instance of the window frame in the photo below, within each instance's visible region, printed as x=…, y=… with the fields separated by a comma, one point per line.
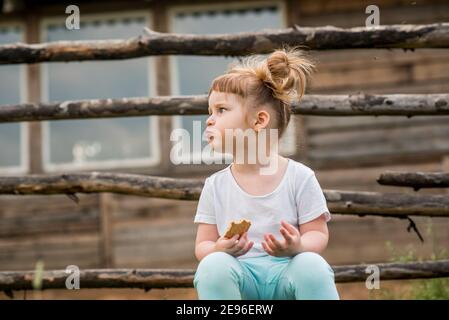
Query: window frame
x=23, y=167
x=153, y=133
x=195, y=157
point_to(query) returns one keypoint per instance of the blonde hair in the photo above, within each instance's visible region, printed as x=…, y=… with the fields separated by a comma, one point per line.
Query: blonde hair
x=275, y=81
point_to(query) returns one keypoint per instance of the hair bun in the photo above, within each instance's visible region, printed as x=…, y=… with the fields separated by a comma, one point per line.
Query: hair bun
x=288, y=70
x=278, y=65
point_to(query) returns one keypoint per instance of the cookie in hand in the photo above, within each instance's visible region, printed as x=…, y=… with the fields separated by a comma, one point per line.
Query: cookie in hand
x=237, y=227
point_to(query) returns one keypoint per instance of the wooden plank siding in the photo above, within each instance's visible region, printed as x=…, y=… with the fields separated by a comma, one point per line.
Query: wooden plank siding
x=52, y=229
x=377, y=71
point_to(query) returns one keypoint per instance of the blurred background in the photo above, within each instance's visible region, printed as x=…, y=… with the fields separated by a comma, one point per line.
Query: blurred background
x=117, y=231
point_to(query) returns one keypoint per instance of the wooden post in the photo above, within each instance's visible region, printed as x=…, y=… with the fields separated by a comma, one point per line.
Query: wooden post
x=105, y=215
x=34, y=95
x=163, y=87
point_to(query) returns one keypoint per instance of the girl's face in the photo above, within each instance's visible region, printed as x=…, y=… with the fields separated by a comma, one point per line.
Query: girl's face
x=226, y=111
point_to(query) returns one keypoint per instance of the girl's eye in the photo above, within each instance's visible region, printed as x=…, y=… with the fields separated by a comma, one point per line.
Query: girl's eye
x=219, y=109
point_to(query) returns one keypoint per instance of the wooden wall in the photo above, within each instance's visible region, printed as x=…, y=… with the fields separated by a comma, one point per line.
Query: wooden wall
x=53, y=229
x=346, y=142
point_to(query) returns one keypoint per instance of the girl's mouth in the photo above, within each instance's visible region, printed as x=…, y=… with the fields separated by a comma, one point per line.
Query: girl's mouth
x=209, y=136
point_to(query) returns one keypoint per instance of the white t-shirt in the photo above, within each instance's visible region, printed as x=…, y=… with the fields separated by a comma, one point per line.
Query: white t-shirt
x=297, y=199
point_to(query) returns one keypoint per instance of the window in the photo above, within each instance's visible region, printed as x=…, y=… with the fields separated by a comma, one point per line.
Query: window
x=13, y=136
x=99, y=143
x=193, y=74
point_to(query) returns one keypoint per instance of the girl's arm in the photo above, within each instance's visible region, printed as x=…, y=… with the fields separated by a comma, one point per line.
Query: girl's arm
x=206, y=238
x=314, y=235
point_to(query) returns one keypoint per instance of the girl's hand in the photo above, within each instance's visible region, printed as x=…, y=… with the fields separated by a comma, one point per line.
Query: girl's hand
x=290, y=246
x=234, y=246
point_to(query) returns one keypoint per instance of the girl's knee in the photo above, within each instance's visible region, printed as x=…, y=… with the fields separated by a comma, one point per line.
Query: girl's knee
x=309, y=260
x=216, y=260
x=311, y=277
x=216, y=267
x=311, y=266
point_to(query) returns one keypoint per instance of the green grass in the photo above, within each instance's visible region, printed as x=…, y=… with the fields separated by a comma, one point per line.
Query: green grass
x=425, y=289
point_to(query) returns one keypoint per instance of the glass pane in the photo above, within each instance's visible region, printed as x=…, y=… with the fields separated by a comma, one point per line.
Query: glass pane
x=83, y=141
x=10, y=94
x=205, y=69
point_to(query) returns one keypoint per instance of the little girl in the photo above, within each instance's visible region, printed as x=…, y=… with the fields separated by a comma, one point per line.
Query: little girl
x=279, y=257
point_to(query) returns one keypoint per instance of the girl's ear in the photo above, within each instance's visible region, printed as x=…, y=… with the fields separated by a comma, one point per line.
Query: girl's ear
x=262, y=120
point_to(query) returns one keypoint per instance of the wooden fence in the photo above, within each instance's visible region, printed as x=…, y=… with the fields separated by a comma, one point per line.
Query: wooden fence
x=396, y=205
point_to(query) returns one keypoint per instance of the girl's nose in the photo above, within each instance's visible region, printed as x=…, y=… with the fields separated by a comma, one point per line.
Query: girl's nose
x=210, y=120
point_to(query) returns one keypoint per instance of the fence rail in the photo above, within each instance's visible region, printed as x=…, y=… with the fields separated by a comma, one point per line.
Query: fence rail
x=156, y=43
x=340, y=202
x=177, y=278
x=415, y=180
x=324, y=105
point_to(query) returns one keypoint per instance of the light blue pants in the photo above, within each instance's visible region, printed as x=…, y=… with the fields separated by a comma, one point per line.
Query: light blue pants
x=306, y=276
